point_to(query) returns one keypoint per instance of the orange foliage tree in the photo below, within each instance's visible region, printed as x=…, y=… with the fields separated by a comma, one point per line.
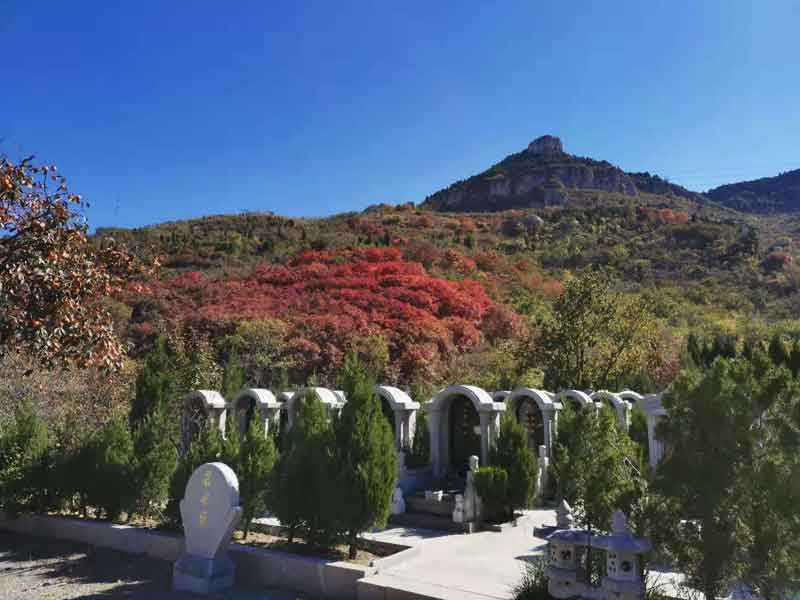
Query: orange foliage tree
x=53, y=279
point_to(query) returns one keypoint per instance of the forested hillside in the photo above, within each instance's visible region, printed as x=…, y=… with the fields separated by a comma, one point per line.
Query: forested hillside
x=766, y=195
x=427, y=292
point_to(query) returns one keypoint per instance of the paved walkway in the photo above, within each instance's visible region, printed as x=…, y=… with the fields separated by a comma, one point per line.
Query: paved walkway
x=480, y=565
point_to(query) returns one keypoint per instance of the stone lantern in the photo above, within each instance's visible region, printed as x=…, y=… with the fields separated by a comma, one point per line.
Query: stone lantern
x=563, y=572
x=623, y=578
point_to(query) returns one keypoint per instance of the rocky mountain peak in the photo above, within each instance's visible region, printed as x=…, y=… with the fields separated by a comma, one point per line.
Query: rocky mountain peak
x=546, y=145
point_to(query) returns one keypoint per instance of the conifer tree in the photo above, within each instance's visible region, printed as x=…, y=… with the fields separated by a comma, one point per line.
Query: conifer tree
x=731, y=473
x=155, y=459
x=156, y=383
x=113, y=485
x=256, y=460
x=511, y=454
x=23, y=442
x=367, y=458
x=233, y=378
x=595, y=465
x=305, y=477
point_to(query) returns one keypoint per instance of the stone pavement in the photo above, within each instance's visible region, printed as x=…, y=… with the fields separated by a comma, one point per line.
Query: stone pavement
x=468, y=567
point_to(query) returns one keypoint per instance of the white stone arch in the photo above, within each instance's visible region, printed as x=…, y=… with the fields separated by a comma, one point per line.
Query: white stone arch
x=405, y=414
x=265, y=407
x=621, y=407
x=548, y=407
x=331, y=401
x=201, y=408
x=438, y=409
x=630, y=396
x=500, y=395
x=582, y=399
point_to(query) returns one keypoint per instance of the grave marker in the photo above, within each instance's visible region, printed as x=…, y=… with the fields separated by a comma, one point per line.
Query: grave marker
x=210, y=512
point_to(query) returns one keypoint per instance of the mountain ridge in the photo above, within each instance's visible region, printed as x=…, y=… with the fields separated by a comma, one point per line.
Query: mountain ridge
x=544, y=174
x=778, y=193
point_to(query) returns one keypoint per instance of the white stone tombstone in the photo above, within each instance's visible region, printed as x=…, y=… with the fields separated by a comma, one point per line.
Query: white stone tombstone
x=459, y=514
x=473, y=506
x=210, y=512
x=398, y=502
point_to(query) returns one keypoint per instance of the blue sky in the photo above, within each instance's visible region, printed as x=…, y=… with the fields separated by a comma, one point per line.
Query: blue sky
x=167, y=110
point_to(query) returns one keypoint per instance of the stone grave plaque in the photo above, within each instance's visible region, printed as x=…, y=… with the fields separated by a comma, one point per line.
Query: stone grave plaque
x=210, y=512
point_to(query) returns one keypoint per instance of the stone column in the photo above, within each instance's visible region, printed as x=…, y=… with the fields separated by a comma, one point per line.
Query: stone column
x=398, y=429
x=407, y=438
x=268, y=415
x=434, y=420
x=654, y=411
x=486, y=432
x=216, y=417
x=655, y=446
x=544, y=463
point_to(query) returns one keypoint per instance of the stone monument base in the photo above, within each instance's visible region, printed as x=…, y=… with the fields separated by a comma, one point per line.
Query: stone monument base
x=202, y=575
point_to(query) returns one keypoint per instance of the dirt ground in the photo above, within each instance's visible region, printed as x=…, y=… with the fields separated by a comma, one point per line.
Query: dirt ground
x=43, y=569
x=265, y=540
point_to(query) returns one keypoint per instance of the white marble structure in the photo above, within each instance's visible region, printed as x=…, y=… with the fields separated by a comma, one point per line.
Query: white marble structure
x=255, y=403
x=405, y=414
x=210, y=512
x=439, y=415
x=578, y=399
x=654, y=411
x=202, y=408
x=398, y=502
x=331, y=400
x=542, y=479
x=547, y=409
x=620, y=406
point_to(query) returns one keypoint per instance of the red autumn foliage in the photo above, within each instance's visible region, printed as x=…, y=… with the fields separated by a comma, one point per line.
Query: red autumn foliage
x=662, y=215
x=332, y=299
x=775, y=261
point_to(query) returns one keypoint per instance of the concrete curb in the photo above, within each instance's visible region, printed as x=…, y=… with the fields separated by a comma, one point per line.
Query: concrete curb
x=316, y=577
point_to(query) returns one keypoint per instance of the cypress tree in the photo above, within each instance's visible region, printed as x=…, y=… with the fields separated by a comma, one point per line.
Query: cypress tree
x=113, y=486
x=367, y=457
x=304, y=474
x=511, y=454
x=156, y=383
x=778, y=352
x=155, y=459
x=256, y=460
x=233, y=379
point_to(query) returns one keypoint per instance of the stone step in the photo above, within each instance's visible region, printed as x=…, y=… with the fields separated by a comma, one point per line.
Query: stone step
x=443, y=507
x=428, y=521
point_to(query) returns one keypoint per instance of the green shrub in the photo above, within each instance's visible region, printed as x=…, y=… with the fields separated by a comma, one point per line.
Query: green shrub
x=533, y=585
x=25, y=459
x=112, y=487
x=512, y=454
x=491, y=484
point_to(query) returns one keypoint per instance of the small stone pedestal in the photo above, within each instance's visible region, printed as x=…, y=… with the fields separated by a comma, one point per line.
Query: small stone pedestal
x=210, y=511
